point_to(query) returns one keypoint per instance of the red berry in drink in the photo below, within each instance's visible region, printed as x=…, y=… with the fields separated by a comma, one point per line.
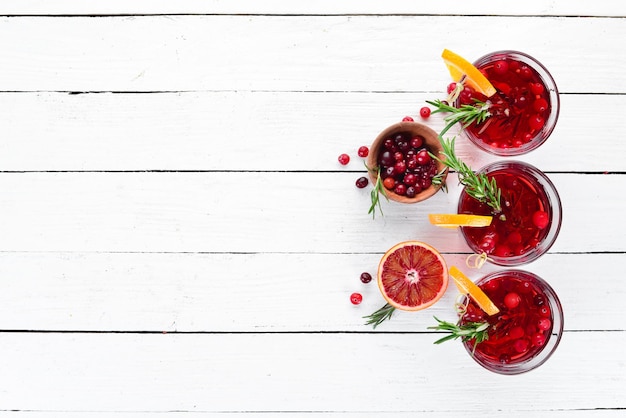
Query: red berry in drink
x=366, y=277
x=363, y=151
x=512, y=300
x=538, y=340
x=516, y=332
x=408, y=119
x=541, y=219
x=356, y=298
x=544, y=324
x=361, y=182
x=536, y=88
x=425, y=112
x=500, y=67
x=344, y=159
x=536, y=122
x=521, y=345
x=540, y=105
x=451, y=87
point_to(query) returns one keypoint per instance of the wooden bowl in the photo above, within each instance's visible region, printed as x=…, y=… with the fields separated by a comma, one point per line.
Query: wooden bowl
x=431, y=142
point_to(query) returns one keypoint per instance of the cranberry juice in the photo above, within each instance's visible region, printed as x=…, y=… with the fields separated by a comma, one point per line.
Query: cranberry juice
x=529, y=321
x=528, y=223
x=523, y=110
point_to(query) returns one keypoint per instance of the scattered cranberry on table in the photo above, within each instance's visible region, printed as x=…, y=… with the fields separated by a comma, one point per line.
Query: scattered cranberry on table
x=356, y=298
x=408, y=119
x=363, y=151
x=366, y=277
x=362, y=182
x=344, y=159
x=425, y=112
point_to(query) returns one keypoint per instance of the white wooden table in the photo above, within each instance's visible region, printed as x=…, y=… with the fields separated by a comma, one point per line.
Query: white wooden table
x=178, y=239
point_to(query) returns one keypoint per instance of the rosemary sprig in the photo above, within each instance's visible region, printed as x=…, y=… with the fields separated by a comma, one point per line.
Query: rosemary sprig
x=380, y=315
x=376, y=192
x=477, y=186
x=477, y=331
x=466, y=114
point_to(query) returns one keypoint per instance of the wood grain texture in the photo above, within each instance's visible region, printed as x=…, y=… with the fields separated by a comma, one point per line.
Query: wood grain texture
x=268, y=373
x=261, y=292
x=321, y=53
x=277, y=213
x=261, y=131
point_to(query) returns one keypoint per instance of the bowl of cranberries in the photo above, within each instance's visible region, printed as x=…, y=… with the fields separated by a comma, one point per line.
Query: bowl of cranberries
x=400, y=156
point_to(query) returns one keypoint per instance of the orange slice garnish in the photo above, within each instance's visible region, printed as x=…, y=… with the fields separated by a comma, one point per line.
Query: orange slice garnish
x=453, y=220
x=467, y=287
x=459, y=67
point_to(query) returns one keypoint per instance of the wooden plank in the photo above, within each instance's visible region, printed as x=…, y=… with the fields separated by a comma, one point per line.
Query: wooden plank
x=321, y=53
x=321, y=7
x=292, y=212
x=259, y=292
x=259, y=131
x=334, y=373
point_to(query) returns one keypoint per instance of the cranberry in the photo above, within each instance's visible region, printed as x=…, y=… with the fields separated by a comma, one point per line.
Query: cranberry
x=400, y=189
x=417, y=141
x=521, y=345
x=411, y=192
x=344, y=159
x=387, y=172
x=512, y=300
x=538, y=340
x=500, y=67
x=487, y=243
x=410, y=179
x=541, y=219
x=408, y=119
x=389, y=183
x=502, y=250
x=356, y=298
x=400, y=167
x=389, y=144
x=514, y=238
x=536, y=122
x=516, y=332
x=422, y=157
x=451, y=87
x=545, y=311
x=366, y=277
x=525, y=72
x=363, y=151
x=361, y=182
x=536, y=88
x=398, y=156
x=425, y=112
x=544, y=324
x=540, y=105
x=387, y=159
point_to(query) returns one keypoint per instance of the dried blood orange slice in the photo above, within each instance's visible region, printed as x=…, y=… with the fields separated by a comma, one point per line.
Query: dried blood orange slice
x=459, y=67
x=412, y=276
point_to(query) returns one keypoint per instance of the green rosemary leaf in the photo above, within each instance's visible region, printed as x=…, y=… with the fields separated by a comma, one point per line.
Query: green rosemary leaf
x=478, y=186
x=380, y=315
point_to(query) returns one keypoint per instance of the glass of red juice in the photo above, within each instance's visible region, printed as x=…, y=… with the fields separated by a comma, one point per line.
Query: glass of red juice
x=530, y=219
x=524, y=110
x=526, y=331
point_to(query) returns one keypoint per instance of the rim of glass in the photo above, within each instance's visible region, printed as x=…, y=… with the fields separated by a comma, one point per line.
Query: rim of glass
x=556, y=211
x=541, y=356
x=553, y=93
